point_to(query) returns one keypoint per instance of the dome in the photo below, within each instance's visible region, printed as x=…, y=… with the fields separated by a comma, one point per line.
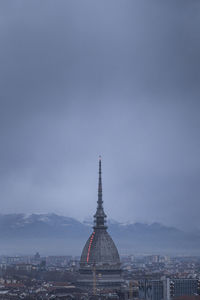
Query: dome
x=100, y=250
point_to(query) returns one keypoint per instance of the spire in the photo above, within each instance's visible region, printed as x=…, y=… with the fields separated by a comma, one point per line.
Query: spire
x=99, y=217
x=100, y=201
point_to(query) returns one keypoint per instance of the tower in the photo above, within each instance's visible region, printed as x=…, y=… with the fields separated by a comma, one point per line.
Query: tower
x=101, y=252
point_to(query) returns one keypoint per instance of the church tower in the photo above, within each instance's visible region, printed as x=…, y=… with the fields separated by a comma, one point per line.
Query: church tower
x=100, y=262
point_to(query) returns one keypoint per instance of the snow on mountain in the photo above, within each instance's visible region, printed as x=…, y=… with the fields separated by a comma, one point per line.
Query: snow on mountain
x=50, y=231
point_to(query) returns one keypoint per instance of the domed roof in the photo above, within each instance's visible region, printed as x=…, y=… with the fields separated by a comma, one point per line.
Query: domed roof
x=100, y=250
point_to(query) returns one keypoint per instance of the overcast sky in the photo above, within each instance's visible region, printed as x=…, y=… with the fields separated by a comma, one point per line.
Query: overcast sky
x=120, y=78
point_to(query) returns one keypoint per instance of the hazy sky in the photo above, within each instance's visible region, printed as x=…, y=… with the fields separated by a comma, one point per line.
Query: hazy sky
x=120, y=78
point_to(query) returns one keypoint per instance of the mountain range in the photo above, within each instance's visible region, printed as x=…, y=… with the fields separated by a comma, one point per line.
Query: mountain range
x=52, y=234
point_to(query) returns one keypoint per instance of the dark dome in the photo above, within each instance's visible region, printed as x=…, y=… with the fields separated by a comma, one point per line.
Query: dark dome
x=100, y=250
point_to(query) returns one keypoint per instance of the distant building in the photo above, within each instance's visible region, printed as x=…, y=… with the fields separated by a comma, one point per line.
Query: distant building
x=60, y=261
x=25, y=267
x=37, y=256
x=184, y=287
x=100, y=263
x=151, y=289
x=168, y=289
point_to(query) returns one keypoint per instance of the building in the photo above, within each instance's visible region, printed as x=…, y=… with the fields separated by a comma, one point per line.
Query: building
x=168, y=289
x=100, y=266
x=151, y=290
x=184, y=287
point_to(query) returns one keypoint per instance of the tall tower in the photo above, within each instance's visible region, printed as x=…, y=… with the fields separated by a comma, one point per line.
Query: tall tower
x=100, y=216
x=100, y=252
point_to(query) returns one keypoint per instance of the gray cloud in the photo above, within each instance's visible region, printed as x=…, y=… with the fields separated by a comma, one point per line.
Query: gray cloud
x=120, y=78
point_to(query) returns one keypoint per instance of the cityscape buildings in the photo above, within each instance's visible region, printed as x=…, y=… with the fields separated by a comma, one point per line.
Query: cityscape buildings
x=152, y=277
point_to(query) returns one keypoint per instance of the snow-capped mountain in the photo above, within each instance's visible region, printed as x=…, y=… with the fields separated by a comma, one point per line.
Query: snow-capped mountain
x=54, y=234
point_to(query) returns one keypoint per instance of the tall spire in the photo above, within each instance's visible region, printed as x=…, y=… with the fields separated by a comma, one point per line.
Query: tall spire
x=100, y=201
x=99, y=217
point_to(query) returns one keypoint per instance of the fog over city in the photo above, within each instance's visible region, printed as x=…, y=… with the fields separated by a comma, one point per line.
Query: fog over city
x=111, y=77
